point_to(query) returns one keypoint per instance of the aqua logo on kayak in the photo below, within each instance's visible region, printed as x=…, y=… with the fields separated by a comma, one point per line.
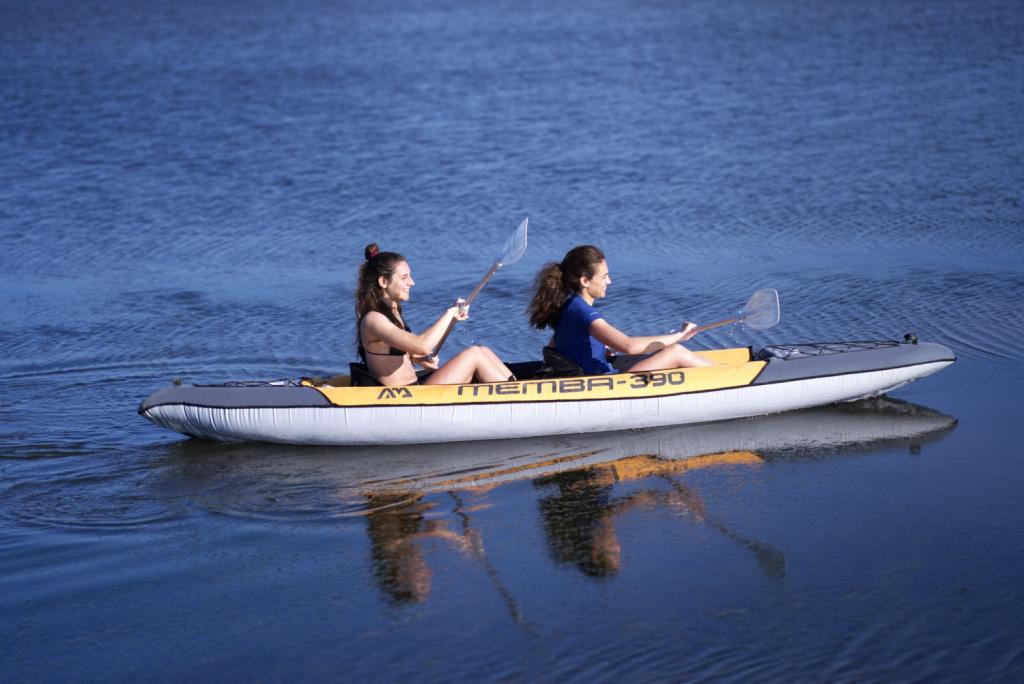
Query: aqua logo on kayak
x=394, y=393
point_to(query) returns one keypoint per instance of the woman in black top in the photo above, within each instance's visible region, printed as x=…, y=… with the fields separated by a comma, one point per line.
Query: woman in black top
x=387, y=345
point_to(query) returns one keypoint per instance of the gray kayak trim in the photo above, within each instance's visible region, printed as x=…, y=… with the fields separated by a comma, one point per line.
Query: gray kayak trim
x=873, y=356
x=777, y=369
x=236, y=396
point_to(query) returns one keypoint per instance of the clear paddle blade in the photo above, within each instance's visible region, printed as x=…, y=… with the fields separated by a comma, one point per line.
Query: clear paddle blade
x=762, y=311
x=515, y=247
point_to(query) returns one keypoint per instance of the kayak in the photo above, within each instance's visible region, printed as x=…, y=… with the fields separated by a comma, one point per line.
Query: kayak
x=542, y=402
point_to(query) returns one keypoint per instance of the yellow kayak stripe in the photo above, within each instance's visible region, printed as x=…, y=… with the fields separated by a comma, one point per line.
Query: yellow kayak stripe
x=726, y=357
x=594, y=387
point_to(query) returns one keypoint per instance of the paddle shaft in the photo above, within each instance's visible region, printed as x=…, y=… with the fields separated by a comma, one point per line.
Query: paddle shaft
x=469, y=300
x=717, y=324
x=480, y=285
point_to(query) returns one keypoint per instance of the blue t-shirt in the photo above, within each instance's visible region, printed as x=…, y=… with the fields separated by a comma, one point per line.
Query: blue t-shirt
x=573, y=338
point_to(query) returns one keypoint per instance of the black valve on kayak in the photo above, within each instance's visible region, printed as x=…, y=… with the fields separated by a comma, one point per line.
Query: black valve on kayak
x=911, y=338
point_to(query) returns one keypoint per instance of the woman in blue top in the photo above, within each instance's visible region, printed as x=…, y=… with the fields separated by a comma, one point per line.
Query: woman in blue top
x=564, y=301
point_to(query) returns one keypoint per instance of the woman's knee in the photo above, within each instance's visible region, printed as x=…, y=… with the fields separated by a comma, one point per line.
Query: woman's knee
x=472, y=355
x=675, y=356
x=485, y=353
x=692, y=359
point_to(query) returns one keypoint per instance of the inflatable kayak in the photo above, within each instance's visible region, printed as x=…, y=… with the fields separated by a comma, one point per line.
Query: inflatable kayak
x=544, y=400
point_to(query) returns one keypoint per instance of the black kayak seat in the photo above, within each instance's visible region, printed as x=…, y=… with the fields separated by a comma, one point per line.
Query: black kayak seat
x=558, y=365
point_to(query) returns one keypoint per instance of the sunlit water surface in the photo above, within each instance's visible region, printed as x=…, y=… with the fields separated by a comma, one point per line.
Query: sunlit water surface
x=186, y=191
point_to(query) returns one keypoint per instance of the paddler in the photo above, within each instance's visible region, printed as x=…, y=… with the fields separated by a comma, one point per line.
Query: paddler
x=564, y=301
x=391, y=350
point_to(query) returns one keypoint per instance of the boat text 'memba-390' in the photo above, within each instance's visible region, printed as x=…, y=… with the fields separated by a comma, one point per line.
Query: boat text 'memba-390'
x=546, y=400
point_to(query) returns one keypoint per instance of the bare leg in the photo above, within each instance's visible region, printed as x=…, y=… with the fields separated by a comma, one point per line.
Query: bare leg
x=500, y=369
x=472, y=361
x=672, y=356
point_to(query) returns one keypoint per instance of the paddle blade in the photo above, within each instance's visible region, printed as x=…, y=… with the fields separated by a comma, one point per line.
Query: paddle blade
x=515, y=247
x=762, y=311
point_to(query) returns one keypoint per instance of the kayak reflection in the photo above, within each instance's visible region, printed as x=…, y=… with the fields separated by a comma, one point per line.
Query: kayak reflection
x=579, y=516
x=417, y=500
x=863, y=426
x=399, y=525
x=396, y=524
x=580, y=492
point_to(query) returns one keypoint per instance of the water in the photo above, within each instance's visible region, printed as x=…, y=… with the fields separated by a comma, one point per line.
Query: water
x=186, y=191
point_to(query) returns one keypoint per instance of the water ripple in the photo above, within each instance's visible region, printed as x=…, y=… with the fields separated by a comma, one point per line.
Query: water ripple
x=86, y=494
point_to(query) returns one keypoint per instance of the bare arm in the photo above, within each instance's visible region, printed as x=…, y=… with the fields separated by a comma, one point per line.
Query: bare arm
x=376, y=326
x=623, y=343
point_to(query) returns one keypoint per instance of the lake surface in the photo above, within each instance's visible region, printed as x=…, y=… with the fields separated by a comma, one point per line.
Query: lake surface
x=186, y=190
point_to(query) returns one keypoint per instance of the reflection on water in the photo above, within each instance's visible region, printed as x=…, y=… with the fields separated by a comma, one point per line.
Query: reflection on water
x=419, y=497
x=578, y=510
x=578, y=521
x=579, y=516
x=395, y=526
x=398, y=525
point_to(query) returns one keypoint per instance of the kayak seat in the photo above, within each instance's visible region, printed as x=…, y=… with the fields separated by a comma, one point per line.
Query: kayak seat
x=558, y=365
x=527, y=370
x=361, y=376
x=623, y=362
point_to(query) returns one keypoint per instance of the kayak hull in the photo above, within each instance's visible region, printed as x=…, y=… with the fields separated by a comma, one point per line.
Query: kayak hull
x=744, y=385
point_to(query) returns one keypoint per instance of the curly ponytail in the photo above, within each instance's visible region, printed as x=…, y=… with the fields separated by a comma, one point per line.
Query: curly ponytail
x=556, y=282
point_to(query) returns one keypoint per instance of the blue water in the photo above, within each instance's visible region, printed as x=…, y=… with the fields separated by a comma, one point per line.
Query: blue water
x=186, y=189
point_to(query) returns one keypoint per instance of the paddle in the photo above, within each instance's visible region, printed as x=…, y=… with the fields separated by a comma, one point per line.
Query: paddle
x=510, y=254
x=760, y=313
x=476, y=543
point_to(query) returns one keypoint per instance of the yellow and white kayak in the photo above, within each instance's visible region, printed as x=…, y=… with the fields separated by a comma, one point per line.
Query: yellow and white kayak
x=743, y=383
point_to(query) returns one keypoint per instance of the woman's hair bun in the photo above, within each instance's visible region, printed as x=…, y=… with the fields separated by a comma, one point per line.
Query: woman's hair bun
x=372, y=250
